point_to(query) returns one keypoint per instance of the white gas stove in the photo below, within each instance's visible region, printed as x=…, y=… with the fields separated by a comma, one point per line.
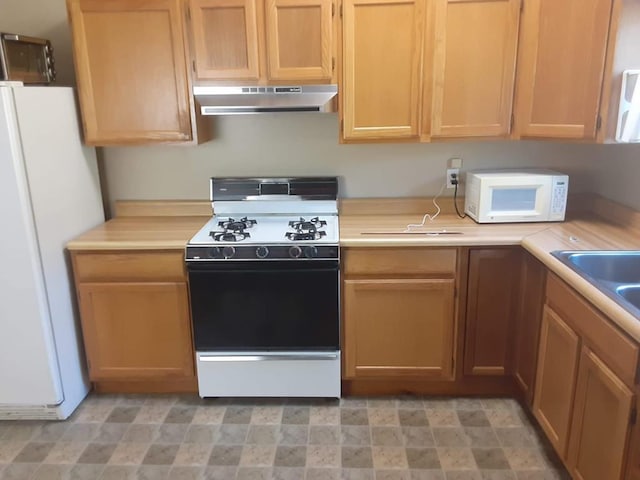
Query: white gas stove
x=264, y=289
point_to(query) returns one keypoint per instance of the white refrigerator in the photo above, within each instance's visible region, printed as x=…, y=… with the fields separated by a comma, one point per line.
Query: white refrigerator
x=49, y=193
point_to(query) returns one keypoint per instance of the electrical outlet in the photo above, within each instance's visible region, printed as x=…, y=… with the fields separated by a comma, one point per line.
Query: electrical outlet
x=452, y=173
x=455, y=162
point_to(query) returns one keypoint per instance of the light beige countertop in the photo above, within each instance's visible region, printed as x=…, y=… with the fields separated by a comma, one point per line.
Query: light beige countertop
x=445, y=230
x=385, y=229
x=140, y=233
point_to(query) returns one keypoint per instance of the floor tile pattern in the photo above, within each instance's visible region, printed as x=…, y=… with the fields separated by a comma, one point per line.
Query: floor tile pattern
x=127, y=437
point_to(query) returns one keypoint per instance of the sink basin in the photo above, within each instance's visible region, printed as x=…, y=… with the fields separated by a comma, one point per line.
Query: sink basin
x=631, y=293
x=617, y=267
x=615, y=273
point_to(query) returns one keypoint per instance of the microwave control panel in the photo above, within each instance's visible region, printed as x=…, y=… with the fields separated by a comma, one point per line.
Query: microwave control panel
x=559, y=198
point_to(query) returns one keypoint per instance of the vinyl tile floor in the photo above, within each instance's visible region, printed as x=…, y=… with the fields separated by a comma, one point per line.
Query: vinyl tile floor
x=146, y=437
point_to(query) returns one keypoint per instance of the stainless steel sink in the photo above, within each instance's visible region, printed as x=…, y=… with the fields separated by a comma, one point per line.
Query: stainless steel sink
x=631, y=293
x=615, y=273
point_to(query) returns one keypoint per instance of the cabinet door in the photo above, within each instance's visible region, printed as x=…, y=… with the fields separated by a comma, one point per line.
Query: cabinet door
x=474, y=67
x=556, y=379
x=600, y=427
x=300, y=39
x=560, y=67
x=131, y=70
x=399, y=327
x=225, y=39
x=532, y=284
x=136, y=330
x=382, y=41
x=491, y=308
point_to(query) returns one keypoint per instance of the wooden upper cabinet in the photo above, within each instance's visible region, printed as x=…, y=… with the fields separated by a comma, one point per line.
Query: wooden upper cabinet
x=561, y=65
x=382, y=46
x=225, y=39
x=474, y=62
x=263, y=41
x=131, y=70
x=601, y=419
x=300, y=39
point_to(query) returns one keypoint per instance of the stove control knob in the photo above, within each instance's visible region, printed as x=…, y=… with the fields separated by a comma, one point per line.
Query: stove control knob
x=311, y=252
x=228, y=252
x=295, y=251
x=262, y=252
x=214, y=252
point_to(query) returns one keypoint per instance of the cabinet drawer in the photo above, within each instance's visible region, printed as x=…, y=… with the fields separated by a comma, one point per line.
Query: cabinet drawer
x=619, y=352
x=129, y=266
x=405, y=261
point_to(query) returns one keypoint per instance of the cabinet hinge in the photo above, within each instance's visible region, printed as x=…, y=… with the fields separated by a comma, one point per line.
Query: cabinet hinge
x=333, y=10
x=341, y=13
x=333, y=64
x=634, y=416
x=512, y=121
x=521, y=6
x=193, y=65
x=188, y=14
x=598, y=123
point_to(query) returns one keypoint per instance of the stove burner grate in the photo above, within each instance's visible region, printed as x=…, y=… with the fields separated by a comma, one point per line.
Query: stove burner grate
x=237, y=225
x=309, y=235
x=311, y=225
x=229, y=236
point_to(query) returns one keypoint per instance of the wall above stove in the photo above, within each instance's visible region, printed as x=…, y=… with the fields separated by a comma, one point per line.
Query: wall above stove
x=307, y=144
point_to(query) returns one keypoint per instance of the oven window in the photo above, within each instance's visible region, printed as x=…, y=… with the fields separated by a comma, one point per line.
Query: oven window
x=261, y=306
x=513, y=199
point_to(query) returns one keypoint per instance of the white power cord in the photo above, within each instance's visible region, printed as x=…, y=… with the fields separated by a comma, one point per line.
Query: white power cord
x=427, y=215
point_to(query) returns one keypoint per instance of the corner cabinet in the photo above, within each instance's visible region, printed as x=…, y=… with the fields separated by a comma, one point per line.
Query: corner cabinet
x=584, y=396
x=134, y=310
x=382, y=48
x=263, y=41
x=131, y=68
x=533, y=276
x=492, y=304
x=561, y=66
x=399, y=313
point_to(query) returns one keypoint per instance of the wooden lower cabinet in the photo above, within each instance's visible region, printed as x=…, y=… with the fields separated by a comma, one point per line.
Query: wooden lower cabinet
x=136, y=330
x=601, y=418
x=399, y=313
x=555, y=383
x=492, y=297
x=527, y=325
x=399, y=327
x=584, y=399
x=135, y=316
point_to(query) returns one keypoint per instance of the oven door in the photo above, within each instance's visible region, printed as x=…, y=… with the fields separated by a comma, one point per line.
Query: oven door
x=265, y=306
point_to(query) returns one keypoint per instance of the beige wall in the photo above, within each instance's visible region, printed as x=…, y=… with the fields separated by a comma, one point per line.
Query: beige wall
x=307, y=144
x=617, y=174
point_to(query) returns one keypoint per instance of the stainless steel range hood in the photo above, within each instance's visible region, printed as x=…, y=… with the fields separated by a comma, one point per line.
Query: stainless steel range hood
x=246, y=99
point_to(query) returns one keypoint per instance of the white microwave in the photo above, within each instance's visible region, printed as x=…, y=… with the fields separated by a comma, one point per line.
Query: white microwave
x=503, y=196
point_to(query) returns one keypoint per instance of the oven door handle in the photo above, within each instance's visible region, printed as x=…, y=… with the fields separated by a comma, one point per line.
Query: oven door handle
x=266, y=357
